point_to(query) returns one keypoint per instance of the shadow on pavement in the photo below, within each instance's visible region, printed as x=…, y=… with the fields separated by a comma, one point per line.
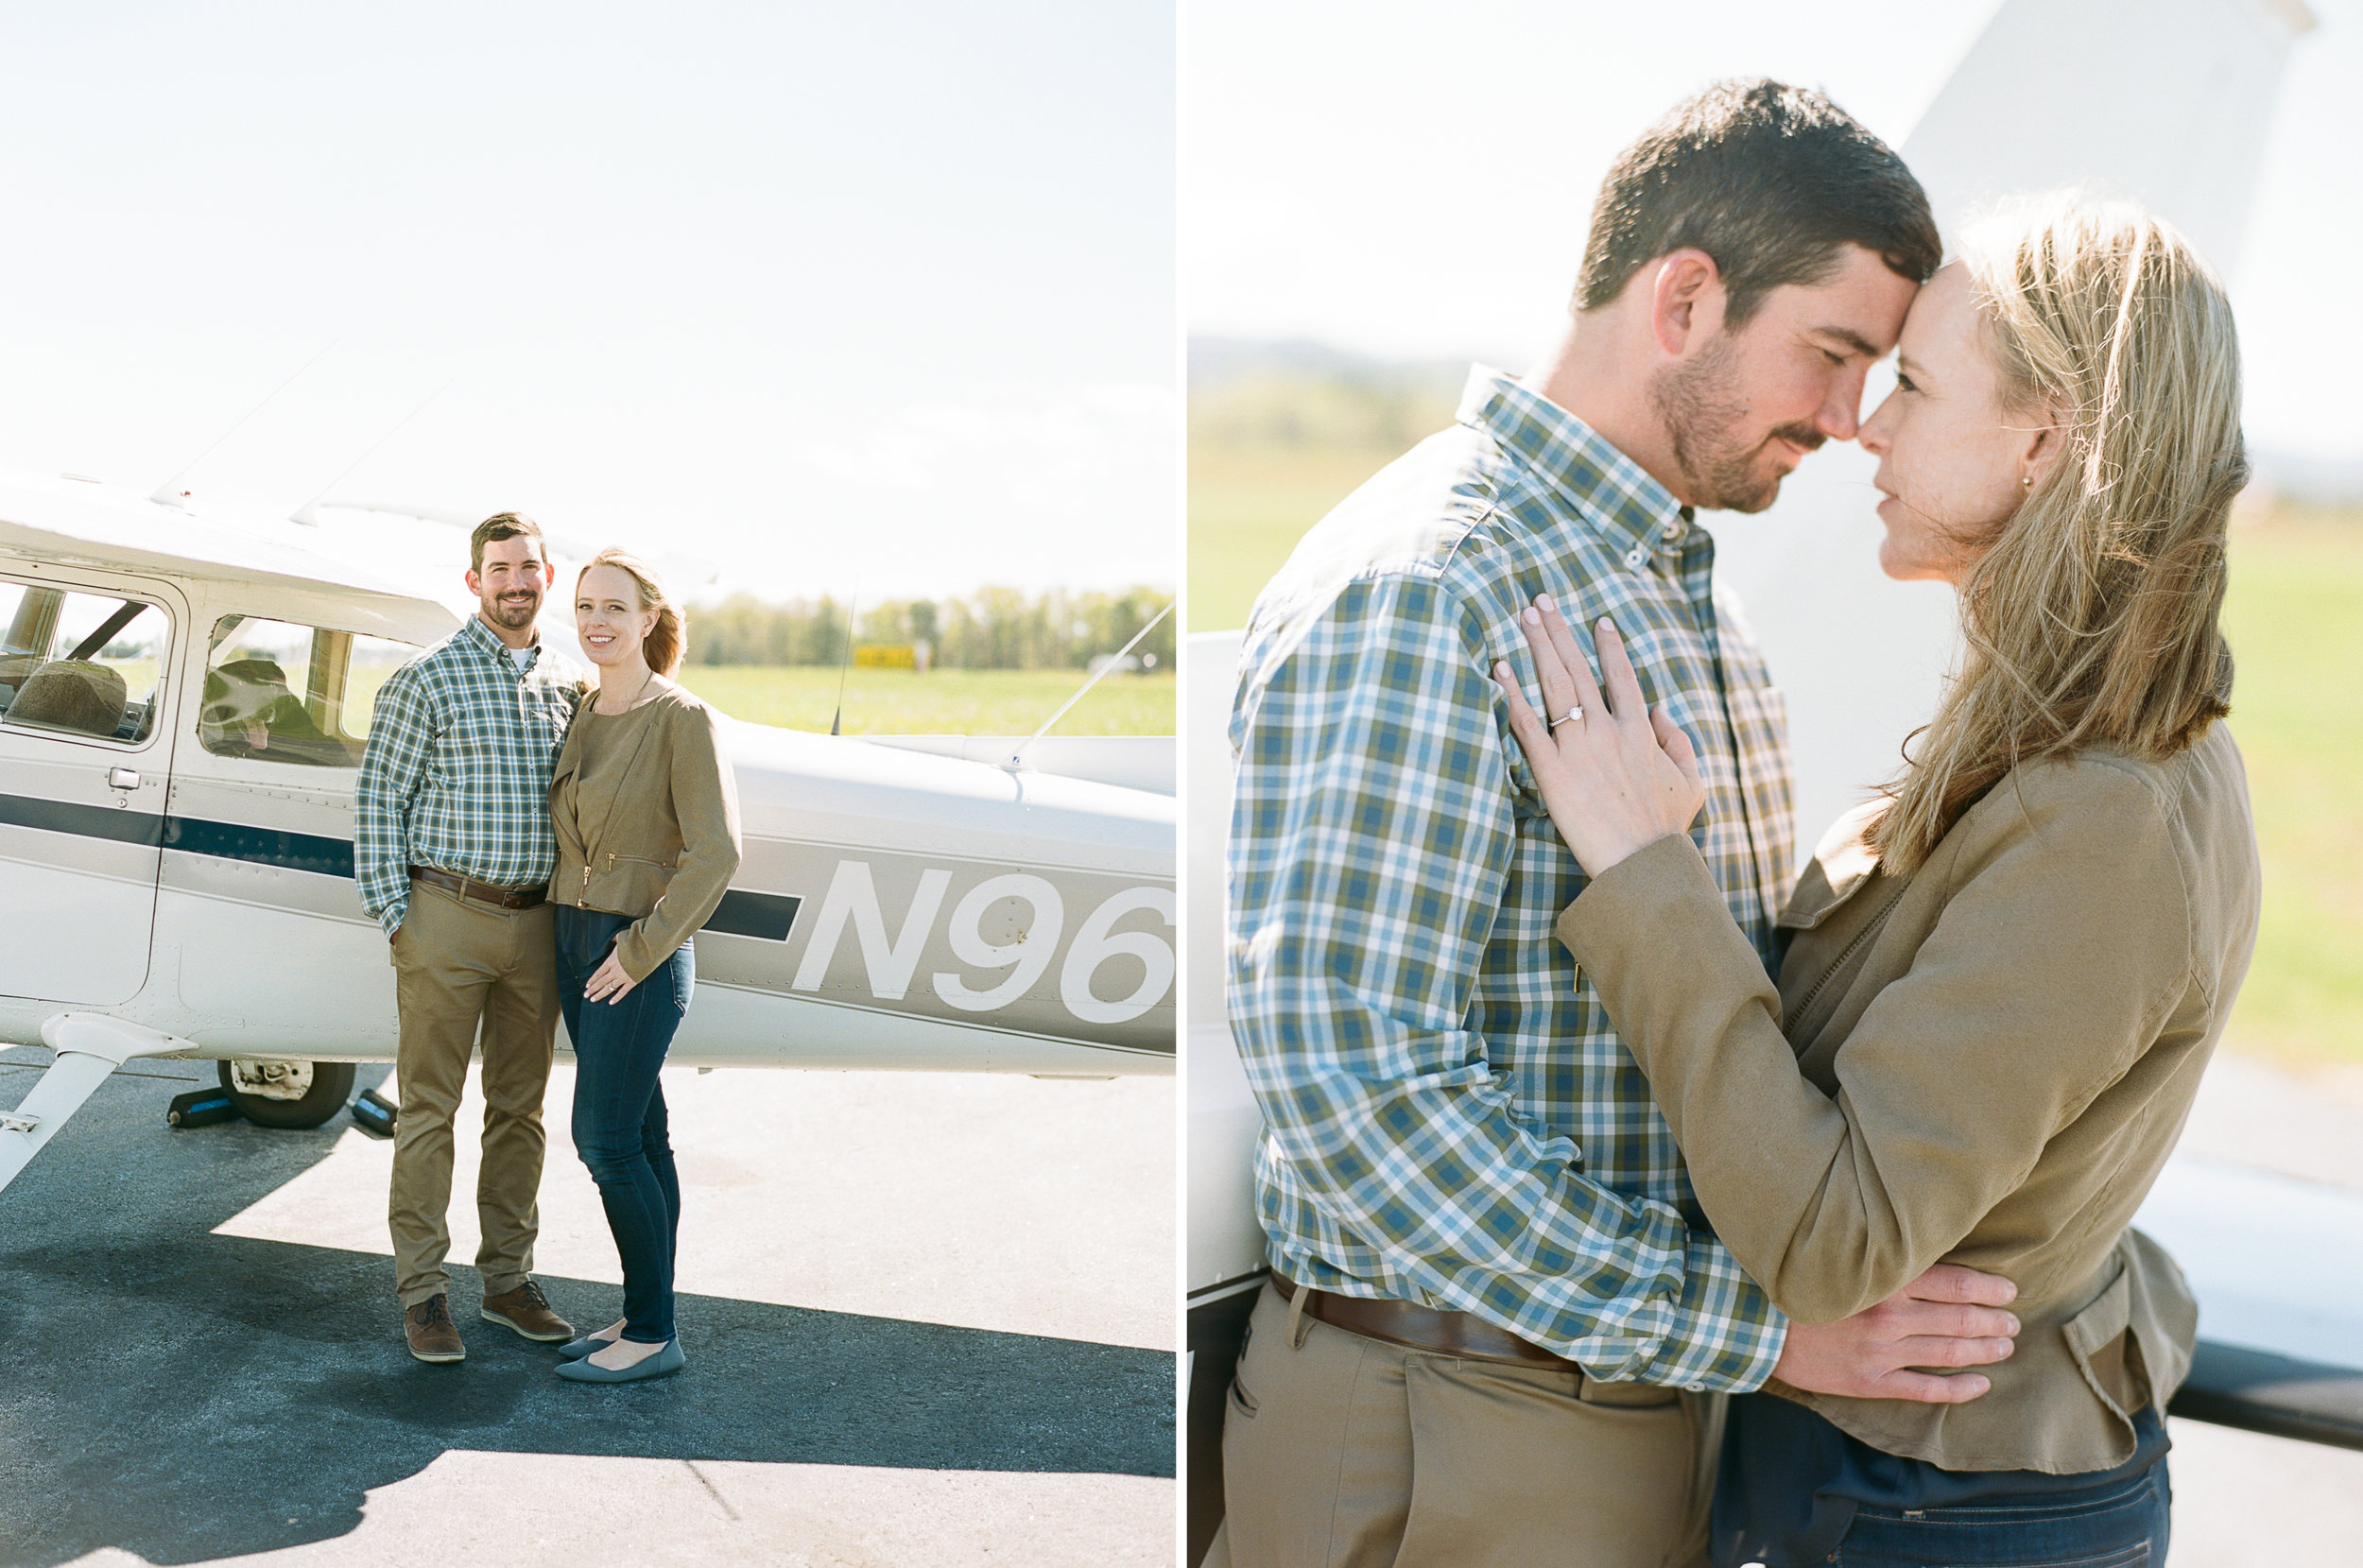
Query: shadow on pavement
x=189, y=1396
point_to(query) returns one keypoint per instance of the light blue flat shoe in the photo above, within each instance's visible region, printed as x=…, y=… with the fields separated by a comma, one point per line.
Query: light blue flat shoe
x=575, y=1350
x=664, y=1363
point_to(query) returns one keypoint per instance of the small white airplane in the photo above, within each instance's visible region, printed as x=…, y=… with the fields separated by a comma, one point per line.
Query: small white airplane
x=183, y=700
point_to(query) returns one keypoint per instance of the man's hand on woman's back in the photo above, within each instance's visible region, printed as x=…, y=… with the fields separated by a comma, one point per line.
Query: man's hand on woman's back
x=1949, y=1316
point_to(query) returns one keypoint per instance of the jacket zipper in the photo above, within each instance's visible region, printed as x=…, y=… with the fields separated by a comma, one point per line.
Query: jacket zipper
x=581, y=898
x=1804, y=1008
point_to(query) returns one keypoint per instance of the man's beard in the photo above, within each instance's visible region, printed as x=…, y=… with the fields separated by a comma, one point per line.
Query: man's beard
x=1700, y=405
x=514, y=613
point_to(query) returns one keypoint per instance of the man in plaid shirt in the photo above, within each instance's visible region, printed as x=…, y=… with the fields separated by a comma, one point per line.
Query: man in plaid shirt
x=1498, y=1324
x=453, y=853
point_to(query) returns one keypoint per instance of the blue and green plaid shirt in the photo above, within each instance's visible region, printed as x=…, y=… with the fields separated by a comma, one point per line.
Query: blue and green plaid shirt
x=1449, y=1116
x=456, y=773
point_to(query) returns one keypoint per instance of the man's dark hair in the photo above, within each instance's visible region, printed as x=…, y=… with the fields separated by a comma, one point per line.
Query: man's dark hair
x=502, y=525
x=1770, y=180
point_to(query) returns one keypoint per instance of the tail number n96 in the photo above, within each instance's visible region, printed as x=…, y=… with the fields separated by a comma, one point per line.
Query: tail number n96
x=1012, y=922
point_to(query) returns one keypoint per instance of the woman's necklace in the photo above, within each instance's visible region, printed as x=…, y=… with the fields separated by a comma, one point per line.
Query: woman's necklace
x=636, y=693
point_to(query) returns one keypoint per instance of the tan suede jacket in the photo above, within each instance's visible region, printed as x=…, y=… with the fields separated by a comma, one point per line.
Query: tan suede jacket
x=656, y=838
x=1986, y=1064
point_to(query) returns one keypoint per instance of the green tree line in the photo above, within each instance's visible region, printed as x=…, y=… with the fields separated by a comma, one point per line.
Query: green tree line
x=992, y=629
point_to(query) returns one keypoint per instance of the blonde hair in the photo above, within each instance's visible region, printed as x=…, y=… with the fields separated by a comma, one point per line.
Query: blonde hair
x=669, y=638
x=2090, y=619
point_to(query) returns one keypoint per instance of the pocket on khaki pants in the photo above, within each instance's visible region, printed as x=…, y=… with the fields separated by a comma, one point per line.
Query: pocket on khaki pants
x=1513, y=1467
x=1344, y=1452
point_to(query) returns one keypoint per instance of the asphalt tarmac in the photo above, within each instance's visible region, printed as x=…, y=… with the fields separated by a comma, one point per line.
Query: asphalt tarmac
x=929, y=1320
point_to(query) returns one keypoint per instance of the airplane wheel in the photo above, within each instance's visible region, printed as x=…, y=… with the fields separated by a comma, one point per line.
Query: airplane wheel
x=288, y=1093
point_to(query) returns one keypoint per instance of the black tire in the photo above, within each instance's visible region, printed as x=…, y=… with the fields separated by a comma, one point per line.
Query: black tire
x=332, y=1085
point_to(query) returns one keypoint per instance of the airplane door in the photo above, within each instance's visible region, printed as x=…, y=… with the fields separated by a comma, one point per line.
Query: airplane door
x=85, y=758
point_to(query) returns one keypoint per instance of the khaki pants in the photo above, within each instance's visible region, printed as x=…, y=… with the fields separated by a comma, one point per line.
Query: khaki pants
x=457, y=961
x=1342, y=1452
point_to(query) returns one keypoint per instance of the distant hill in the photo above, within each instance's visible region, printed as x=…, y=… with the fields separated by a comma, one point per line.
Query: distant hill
x=1218, y=362
x=1299, y=394
x=2313, y=481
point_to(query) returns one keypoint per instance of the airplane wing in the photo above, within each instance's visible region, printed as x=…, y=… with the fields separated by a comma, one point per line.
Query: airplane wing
x=1129, y=762
x=83, y=522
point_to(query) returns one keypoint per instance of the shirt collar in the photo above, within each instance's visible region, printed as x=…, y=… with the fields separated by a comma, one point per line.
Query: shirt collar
x=1636, y=514
x=485, y=638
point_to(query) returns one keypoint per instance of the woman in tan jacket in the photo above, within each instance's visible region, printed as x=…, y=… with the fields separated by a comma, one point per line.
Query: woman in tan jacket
x=2003, y=977
x=647, y=818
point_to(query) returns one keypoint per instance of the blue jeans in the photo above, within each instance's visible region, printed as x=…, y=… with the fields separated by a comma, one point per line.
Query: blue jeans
x=619, y=1108
x=2124, y=1525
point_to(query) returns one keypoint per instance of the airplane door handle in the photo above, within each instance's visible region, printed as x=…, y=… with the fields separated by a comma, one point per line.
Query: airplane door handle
x=122, y=777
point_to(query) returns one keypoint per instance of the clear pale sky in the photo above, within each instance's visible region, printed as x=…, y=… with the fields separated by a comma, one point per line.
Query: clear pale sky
x=1413, y=180
x=813, y=291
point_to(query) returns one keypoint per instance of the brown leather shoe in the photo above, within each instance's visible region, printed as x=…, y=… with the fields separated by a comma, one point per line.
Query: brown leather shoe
x=432, y=1333
x=528, y=1311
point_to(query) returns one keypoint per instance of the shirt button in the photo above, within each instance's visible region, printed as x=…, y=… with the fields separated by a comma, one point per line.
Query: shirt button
x=1696, y=1387
x=1637, y=556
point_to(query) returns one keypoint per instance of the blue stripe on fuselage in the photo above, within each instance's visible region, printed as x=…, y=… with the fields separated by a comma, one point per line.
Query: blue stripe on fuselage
x=298, y=851
x=765, y=916
x=122, y=826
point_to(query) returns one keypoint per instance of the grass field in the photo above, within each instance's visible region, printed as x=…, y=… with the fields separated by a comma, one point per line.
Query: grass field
x=941, y=702
x=1249, y=505
x=2295, y=618
x=2294, y=615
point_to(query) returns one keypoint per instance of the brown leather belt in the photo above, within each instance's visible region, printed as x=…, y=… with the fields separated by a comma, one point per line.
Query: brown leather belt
x=1418, y=1328
x=483, y=892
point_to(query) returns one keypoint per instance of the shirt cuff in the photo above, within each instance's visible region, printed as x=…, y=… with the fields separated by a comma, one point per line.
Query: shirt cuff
x=391, y=918
x=1727, y=1334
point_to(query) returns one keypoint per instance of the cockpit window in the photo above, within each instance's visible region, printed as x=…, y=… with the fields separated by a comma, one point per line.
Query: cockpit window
x=80, y=663
x=276, y=692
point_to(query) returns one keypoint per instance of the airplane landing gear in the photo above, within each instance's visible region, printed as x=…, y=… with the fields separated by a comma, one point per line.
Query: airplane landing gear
x=288, y=1093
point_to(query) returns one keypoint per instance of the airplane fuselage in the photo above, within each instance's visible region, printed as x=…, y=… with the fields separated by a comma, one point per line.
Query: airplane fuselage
x=891, y=909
